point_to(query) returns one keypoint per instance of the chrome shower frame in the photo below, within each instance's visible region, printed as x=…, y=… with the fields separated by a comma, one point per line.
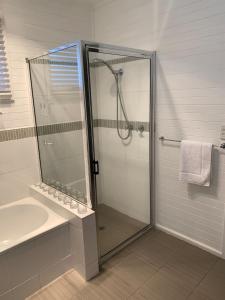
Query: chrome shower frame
x=85, y=47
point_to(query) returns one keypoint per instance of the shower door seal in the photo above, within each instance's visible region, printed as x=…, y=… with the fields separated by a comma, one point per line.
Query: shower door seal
x=85, y=47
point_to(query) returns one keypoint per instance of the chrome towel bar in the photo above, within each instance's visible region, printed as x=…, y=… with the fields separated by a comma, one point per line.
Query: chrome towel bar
x=162, y=138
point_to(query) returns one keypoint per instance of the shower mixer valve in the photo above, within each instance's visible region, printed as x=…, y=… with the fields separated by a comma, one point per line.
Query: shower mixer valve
x=141, y=128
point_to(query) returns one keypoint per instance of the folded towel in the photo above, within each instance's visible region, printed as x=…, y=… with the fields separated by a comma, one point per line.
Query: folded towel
x=195, y=162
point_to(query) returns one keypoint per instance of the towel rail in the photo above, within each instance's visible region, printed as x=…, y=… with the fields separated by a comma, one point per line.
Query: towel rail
x=162, y=138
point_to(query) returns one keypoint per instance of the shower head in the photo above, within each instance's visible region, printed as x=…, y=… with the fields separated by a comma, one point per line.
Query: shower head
x=119, y=98
x=114, y=72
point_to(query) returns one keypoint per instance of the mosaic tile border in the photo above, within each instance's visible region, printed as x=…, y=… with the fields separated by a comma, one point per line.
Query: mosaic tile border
x=16, y=134
x=105, y=123
x=21, y=133
x=59, y=128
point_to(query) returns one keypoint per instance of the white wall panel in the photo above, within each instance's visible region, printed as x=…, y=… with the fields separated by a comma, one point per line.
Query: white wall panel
x=189, y=38
x=31, y=28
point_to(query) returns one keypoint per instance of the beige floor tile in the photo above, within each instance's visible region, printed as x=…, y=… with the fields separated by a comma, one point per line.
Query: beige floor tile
x=107, y=286
x=166, y=240
x=134, y=271
x=213, y=285
x=157, y=247
x=155, y=267
x=197, y=295
x=58, y=290
x=116, y=259
x=192, y=261
x=154, y=253
x=164, y=286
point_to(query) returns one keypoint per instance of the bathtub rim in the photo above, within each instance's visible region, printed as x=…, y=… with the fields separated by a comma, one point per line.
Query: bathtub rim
x=55, y=222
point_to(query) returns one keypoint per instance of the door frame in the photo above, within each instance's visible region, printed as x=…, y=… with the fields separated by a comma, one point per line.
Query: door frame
x=85, y=47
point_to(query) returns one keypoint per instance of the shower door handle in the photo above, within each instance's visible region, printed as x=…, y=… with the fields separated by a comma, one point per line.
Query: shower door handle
x=95, y=167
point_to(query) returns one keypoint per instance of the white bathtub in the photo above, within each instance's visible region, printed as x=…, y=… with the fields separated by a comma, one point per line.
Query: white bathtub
x=23, y=220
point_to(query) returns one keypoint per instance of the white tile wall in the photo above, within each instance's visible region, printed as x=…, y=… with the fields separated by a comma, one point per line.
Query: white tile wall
x=84, y=249
x=190, y=43
x=63, y=160
x=18, y=169
x=123, y=182
x=124, y=174
x=31, y=28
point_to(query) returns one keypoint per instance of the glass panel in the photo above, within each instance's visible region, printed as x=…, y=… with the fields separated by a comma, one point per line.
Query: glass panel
x=120, y=88
x=58, y=102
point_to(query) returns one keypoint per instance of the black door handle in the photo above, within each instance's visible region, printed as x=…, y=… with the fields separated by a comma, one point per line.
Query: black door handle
x=95, y=167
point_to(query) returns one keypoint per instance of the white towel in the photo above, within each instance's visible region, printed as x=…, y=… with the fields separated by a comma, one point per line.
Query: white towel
x=195, y=162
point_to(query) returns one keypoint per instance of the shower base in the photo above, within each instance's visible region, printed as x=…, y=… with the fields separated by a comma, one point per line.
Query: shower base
x=115, y=227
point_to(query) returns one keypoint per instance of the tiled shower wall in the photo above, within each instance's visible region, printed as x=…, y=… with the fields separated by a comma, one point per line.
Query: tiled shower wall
x=123, y=182
x=31, y=28
x=189, y=38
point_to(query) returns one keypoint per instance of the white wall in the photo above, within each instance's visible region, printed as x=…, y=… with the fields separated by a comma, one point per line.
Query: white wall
x=190, y=43
x=123, y=182
x=189, y=39
x=18, y=169
x=31, y=28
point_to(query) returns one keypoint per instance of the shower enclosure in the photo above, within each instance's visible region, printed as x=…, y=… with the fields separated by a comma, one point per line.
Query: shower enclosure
x=93, y=107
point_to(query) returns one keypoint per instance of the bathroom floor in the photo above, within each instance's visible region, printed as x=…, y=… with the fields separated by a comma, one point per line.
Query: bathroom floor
x=157, y=267
x=115, y=227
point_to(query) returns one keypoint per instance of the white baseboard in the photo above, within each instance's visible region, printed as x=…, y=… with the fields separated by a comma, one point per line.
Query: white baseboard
x=189, y=240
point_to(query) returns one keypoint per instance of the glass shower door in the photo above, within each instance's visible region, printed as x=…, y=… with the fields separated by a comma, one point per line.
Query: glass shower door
x=120, y=90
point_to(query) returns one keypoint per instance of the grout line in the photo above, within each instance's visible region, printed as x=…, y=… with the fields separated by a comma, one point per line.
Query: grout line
x=198, y=284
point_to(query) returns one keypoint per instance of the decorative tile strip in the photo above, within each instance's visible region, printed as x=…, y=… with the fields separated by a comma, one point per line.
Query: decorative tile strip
x=59, y=128
x=21, y=133
x=135, y=125
x=15, y=134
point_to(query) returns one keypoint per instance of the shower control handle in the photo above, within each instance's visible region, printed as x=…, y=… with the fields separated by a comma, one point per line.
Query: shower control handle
x=141, y=128
x=47, y=143
x=95, y=167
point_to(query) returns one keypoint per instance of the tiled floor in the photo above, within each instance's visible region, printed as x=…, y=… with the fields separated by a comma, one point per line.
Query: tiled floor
x=115, y=227
x=155, y=267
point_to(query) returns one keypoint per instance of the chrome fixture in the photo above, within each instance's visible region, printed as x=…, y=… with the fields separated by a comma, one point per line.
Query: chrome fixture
x=47, y=143
x=141, y=128
x=119, y=99
x=162, y=138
